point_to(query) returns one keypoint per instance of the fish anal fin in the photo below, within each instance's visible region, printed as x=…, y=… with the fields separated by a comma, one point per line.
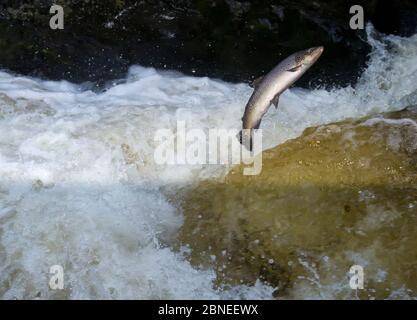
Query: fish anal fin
x=275, y=101
x=255, y=83
x=295, y=68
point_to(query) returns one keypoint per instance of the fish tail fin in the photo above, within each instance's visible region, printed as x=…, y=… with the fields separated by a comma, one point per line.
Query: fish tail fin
x=245, y=139
x=239, y=136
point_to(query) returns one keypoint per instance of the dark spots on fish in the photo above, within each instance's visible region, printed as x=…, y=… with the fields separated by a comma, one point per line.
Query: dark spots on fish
x=299, y=59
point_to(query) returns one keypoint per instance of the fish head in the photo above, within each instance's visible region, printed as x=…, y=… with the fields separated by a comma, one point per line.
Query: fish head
x=308, y=57
x=301, y=61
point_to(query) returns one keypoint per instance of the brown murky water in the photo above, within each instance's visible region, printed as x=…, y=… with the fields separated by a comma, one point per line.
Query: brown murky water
x=340, y=195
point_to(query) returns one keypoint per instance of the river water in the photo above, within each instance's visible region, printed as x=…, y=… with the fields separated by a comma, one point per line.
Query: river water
x=79, y=186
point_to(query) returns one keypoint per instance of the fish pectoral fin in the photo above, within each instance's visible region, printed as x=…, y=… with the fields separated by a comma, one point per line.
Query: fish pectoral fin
x=255, y=83
x=295, y=68
x=275, y=101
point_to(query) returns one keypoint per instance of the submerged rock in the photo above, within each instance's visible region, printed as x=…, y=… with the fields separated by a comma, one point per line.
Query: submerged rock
x=341, y=194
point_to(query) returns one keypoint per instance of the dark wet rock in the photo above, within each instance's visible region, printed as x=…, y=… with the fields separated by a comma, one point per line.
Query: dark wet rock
x=396, y=17
x=228, y=39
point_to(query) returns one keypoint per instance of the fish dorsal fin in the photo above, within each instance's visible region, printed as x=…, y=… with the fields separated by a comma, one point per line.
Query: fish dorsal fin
x=255, y=83
x=295, y=68
x=275, y=101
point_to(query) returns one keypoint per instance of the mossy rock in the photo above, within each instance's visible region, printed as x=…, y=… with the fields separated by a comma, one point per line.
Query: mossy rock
x=341, y=194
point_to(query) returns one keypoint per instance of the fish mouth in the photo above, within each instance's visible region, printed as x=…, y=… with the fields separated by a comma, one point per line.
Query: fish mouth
x=320, y=48
x=317, y=51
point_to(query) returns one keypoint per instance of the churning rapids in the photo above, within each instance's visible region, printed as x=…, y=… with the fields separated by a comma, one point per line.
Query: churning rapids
x=79, y=186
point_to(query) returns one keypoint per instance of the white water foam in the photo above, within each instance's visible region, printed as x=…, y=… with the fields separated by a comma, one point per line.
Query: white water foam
x=79, y=186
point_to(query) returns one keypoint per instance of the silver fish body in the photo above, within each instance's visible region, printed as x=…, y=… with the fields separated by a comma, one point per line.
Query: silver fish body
x=268, y=90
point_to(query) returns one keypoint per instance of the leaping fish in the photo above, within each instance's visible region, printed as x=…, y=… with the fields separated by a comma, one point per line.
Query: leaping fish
x=269, y=88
